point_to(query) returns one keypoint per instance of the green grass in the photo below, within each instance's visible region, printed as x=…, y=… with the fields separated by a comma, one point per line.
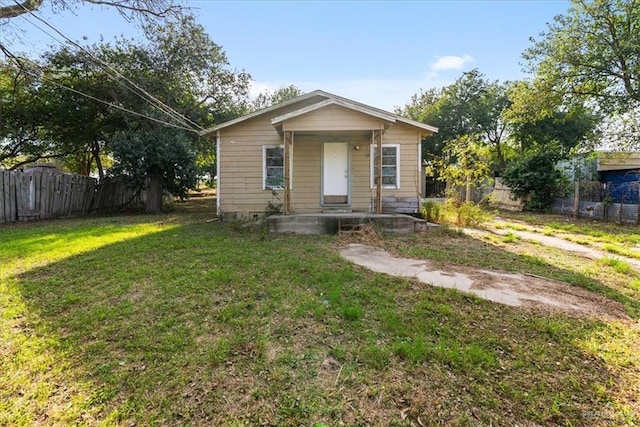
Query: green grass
x=618, y=265
x=173, y=320
x=509, y=238
x=623, y=240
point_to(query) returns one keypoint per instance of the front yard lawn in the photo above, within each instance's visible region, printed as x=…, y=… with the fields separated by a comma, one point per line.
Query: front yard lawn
x=173, y=319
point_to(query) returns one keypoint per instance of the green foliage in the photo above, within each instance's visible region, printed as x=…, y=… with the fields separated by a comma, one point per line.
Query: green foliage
x=591, y=52
x=541, y=121
x=180, y=66
x=167, y=152
x=465, y=164
x=472, y=105
x=282, y=94
x=463, y=214
x=20, y=110
x=207, y=167
x=432, y=211
x=192, y=78
x=536, y=180
x=589, y=56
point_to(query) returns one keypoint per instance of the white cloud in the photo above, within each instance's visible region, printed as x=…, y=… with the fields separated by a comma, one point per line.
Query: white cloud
x=451, y=62
x=447, y=63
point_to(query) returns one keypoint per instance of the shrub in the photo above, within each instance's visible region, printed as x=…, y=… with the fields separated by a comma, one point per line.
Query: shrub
x=464, y=214
x=536, y=180
x=274, y=206
x=432, y=211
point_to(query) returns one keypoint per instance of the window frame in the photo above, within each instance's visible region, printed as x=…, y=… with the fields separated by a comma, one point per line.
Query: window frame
x=372, y=156
x=264, y=167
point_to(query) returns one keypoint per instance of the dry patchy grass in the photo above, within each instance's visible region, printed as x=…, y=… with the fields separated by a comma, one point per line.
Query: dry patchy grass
x=172, y=320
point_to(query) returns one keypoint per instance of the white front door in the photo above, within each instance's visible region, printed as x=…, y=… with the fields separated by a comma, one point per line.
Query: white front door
x=335, y=173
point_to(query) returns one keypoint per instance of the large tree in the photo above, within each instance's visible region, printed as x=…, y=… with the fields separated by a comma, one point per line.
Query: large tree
x=144, y=104
x=545, y=128
x=592, y=52
x=79, y=124
x=189, y=73
x=472, y=105
x=541, y=121
x=20, y=110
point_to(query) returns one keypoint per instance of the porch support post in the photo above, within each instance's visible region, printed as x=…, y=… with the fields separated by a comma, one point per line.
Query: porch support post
x=288, y=140
x=377, y=136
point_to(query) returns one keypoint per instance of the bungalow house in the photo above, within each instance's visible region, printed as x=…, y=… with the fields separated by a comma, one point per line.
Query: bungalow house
x=320, y=153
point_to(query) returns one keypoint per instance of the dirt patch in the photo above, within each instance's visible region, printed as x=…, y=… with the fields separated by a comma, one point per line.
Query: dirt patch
x=518, y=290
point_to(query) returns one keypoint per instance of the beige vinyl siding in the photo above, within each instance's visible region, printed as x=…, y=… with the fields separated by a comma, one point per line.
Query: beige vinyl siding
x=332, y=118
x=618, y=161
x=361, y=194
x=305, y=195
x=408, y=138
x=241, y=174
x=241, y=152
x=241, y=186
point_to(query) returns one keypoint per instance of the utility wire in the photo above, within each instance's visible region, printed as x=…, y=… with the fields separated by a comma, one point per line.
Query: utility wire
x=145, y=95
x=110, y=104
x=118, y=107
x=152, y=100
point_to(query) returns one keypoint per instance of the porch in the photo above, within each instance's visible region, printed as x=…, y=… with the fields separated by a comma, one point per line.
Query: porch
x=331, y=223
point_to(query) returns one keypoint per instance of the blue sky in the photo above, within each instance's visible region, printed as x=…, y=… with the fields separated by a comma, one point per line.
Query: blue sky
x=379, y=53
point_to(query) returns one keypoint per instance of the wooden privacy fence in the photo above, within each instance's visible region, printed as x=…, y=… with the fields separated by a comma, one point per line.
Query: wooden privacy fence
x=40, y=195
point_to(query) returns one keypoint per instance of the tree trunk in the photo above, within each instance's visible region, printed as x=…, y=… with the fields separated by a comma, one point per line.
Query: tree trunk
x=95, y=150
x=154, y=193
x=501, y=161
x=468, y=192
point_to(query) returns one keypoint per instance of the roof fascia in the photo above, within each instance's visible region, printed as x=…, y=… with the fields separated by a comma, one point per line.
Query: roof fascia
x=350, y=105
x=263, y=111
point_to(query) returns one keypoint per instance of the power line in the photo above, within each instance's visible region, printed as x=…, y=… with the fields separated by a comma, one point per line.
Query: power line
x=118, y=107
x=112, y=105
x=152, y=100
x=156, y=102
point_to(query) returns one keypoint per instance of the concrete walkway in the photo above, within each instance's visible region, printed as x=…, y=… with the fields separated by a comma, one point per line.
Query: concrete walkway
x=559, y=243
x=504, y=288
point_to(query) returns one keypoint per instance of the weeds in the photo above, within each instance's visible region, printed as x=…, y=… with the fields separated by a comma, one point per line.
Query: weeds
x=510, y=238
x=618, y=265
x=432, y=211
x=172, y=320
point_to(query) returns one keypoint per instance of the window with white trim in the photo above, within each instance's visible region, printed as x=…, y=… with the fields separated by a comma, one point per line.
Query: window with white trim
x=390, y=165
x=272, y=167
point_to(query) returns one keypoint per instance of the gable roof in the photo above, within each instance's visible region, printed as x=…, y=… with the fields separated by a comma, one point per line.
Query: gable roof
x=329, y=99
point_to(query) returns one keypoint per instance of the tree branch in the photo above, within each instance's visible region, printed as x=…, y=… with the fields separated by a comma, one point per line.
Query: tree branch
x=33, y=159
x=157, y=8
x=19, y=8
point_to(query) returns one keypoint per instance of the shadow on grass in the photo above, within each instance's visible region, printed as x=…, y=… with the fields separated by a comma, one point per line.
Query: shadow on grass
x=199, y=325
